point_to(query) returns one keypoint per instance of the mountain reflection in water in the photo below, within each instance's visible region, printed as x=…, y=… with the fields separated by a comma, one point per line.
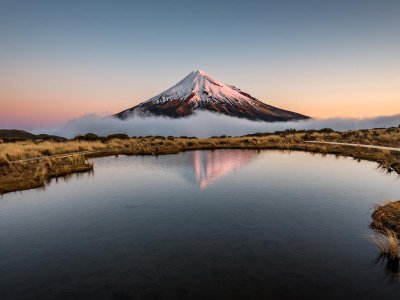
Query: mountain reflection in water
x=209, y=166
x=202, y=167
x=283, y=226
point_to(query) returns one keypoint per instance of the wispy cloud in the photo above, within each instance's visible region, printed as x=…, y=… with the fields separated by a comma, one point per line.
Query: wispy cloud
x=205, y=124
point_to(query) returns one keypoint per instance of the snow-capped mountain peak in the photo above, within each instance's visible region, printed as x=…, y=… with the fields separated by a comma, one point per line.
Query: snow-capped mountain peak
x=201, y=91
x=199, y=86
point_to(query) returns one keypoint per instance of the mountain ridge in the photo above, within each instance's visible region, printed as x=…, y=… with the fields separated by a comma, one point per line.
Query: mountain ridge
x=200, y=91
x=17, y=134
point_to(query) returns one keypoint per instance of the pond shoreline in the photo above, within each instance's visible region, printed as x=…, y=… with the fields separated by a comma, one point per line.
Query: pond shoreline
x=32, y=172
x=174, y=217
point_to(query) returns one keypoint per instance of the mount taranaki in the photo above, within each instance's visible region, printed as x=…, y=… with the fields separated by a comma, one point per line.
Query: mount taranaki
x=199, y=91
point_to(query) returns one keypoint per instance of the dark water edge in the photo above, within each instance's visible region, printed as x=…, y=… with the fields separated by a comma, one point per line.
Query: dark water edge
x=224, y=224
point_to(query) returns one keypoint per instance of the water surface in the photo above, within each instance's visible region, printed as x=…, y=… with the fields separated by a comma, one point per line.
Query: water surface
x=226, y=224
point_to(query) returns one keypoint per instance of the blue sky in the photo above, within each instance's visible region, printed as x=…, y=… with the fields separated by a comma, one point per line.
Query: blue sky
x=321, y=58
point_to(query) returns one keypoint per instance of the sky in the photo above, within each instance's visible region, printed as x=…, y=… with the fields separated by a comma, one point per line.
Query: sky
x=64, y=59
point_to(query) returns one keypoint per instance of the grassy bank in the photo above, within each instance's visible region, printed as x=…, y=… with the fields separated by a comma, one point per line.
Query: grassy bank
x=23, y=175
x=386, y=224
x=29, y=164
x=388, y=137
x=386, y=216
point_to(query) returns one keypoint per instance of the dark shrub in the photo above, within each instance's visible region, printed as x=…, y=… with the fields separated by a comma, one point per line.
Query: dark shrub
x=326, y=130
x=4, y=162
x=46, y=152
x=87, y=137
x=120, y=136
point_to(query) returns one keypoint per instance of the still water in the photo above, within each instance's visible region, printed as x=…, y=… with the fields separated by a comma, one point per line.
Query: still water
x=226, y=224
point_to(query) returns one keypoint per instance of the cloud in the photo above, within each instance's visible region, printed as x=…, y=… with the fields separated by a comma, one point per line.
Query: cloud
x=204, y=124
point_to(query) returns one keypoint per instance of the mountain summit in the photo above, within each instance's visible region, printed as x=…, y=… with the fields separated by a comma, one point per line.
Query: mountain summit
x=200, y=91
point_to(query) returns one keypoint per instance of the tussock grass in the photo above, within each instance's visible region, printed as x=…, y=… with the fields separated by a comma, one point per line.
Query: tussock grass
x=41, y=172
x=29, y=149
x=387, y=243
x=13, y=155
x=386, y=216
x=389, y=137
x=4, y=162
x=386, y=225
x=22, y=175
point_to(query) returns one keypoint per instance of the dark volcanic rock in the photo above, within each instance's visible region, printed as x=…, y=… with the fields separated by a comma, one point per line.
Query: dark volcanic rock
x=200, y=92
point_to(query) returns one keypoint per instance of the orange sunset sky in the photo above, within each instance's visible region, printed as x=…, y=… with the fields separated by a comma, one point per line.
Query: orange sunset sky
x=61, y=61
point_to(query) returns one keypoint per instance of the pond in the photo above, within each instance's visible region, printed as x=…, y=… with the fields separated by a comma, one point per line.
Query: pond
x=224, y=224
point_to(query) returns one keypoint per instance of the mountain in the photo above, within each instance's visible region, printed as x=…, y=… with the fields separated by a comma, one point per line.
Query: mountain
x=15, y=134
x=200, y=91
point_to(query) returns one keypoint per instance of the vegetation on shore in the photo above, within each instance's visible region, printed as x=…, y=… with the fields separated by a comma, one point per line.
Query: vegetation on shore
x=28, y=164
x=386, y=216
x=386, y=224
x=14, y=135
x=388, y=244
x=23, y=175
x=387, y=137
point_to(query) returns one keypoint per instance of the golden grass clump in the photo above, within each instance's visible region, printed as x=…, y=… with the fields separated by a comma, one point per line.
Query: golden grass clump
x=386, y=224
x=386, y=216
x=67, y=157
x=387, y=243
x=274, y=139
x=4, y=162
x=29, y=149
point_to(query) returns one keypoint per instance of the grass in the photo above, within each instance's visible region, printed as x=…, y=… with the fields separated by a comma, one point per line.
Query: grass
x=4, y=162
x=32, y=174
x=31, y=149
x=386, y=224
x=388, y=244
x=386, y=216
x=389, y=137
x=30, y=163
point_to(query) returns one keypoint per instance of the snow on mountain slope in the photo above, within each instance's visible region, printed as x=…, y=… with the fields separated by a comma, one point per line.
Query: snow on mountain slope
x=200, y=91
